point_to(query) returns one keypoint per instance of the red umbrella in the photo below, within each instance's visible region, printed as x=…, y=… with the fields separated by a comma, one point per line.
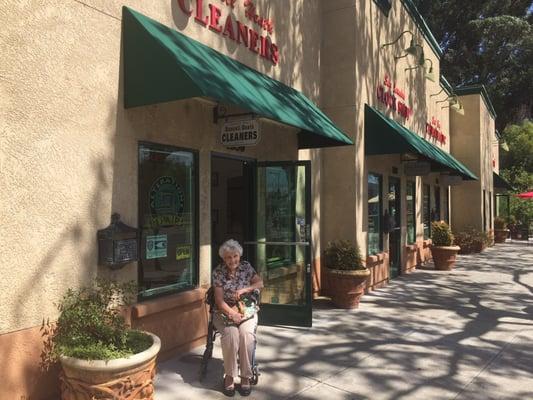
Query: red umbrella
x=526, y=195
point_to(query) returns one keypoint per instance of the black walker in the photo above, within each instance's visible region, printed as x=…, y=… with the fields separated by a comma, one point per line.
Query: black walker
x=212, y=335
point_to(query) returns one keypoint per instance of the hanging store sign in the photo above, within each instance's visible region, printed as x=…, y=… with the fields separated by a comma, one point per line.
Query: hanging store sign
x=240, y=133
x=225, y=24
x=433, y=130
x=394, y=98
x=416, y=168
x=450, y=180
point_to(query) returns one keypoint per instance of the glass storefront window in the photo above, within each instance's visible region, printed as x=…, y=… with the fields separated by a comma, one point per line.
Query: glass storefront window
x=374, y=214
x=447, y=206
x=426, y=211
x=490, y=210
x=410, y=201
x=168, y=185
x=436, y=213
x=484, y=205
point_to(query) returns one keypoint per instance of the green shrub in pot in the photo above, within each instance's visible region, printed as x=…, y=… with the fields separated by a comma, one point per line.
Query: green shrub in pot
x=347, y=274
x=500, y=223
x=90, y=325
x=441, y=234
x=342, y=255
x=443, y=250
x=98, y=351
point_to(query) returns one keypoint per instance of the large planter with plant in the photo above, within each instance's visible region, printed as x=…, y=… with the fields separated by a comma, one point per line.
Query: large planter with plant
x=443, y=251
x=501, y=233
x=101, y=357
x=347, y=275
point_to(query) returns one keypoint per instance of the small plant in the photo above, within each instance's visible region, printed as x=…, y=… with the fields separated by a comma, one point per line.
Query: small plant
x=441, y=234
x=342, y=255
x=465, y=241
x=500, y=223
x=482, y=239
x=472, y=241
x=90, y=325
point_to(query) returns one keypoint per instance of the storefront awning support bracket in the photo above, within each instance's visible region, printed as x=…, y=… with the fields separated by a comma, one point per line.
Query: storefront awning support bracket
x=220, y=111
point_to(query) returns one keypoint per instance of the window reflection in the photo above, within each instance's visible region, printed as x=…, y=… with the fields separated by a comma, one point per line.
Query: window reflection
x=374, y=214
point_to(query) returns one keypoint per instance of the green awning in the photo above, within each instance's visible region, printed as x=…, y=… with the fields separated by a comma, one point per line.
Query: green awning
x=161, y=64
x=386, y=136
x=500, y=183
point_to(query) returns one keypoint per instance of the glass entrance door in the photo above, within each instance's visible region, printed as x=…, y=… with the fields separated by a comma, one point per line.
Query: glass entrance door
x=394, y=199
x=282, y=243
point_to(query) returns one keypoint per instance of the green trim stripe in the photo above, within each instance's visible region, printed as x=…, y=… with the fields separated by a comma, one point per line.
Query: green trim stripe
x=500, y=183
x=446, y=85
x=423, y=26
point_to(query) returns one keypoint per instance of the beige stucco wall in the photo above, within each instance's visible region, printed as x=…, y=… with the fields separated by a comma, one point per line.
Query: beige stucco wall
x=353, y=65
x=69, y=149
x=473, y=136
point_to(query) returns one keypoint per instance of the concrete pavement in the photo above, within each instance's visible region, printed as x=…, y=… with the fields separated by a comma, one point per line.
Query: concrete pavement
x=465, y=335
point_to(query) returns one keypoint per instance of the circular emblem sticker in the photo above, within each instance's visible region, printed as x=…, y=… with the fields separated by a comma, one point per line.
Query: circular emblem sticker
x=166, y=197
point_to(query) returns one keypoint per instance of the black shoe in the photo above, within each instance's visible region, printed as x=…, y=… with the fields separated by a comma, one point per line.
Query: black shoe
x=245, y=390
x=228, y=391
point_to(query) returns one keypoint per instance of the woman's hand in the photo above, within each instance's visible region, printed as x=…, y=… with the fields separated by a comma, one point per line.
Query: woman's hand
x=236, y=317
x=240, y=292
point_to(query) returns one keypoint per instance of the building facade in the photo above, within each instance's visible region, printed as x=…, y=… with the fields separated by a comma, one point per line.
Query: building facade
x=284, y=125
x=475, y=130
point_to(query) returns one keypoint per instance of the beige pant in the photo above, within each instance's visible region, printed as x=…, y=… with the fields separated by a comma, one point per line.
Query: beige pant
x=237, y=341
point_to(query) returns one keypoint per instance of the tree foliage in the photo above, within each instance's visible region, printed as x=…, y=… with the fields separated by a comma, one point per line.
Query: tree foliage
x=489, y=43
x=517, y=167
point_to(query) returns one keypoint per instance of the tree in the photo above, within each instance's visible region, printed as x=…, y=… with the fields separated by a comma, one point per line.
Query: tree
x=519, y=138
x=517, y=167
x=489, y=43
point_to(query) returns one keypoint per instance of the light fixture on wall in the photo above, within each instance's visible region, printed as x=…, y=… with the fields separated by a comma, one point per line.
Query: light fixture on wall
x=398, y=38
x=450, y=99
x=428, y=73
x=504, y=145
x=436, y=94
x=458, y=108
x=454, y=104
x=412, y=50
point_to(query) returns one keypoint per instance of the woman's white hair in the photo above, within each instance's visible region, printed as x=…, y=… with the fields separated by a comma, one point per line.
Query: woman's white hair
x=229, y=246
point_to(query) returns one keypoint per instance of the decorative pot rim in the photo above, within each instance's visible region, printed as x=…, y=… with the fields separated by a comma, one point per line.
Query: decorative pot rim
x=446, y=247
x=353, y=272
x=116, y=364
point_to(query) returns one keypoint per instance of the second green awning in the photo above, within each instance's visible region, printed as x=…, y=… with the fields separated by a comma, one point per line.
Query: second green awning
x=386, y=136
x=500, y=183
x=161, y=64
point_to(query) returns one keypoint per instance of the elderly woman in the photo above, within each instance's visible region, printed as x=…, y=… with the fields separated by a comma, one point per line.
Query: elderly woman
x=232, y=279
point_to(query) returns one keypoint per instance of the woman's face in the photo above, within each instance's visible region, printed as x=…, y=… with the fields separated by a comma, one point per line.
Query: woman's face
x=232, y=259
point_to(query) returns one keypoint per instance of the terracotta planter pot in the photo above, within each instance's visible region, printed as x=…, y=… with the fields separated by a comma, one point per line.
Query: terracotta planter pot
x=500, y=235
x=444, y=257
x=121, y=379
x=347, y=287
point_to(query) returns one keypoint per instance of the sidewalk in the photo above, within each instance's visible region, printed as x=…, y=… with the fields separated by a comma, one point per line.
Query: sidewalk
x=465, y=335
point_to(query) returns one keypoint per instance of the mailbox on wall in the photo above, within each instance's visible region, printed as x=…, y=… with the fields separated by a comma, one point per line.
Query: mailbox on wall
x=117, y=244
